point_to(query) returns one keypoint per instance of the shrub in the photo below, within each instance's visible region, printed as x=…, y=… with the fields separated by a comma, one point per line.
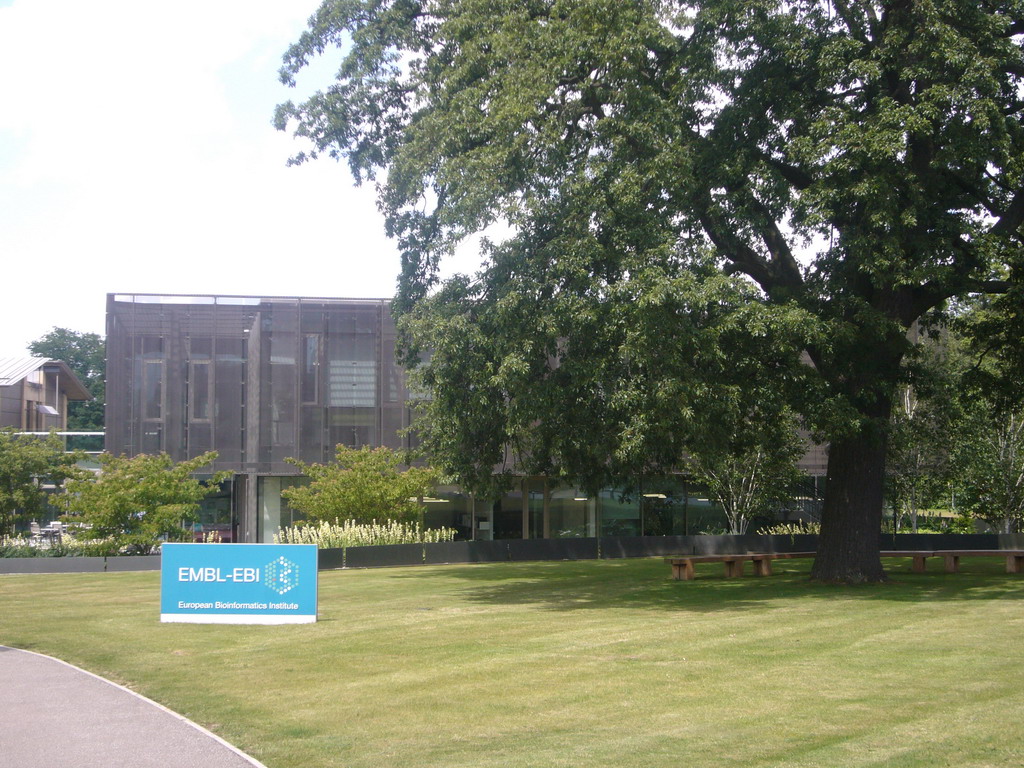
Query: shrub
x=350, y=534
x=791, y=529
x=361, y=484
x=66, y=547
x=140, y=501
x=13, y=546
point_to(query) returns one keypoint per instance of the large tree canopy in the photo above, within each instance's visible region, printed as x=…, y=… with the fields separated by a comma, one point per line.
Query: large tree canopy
x=859, y=163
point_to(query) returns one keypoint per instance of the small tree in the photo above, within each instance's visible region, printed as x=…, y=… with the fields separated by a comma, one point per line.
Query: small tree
x=928, y=414
x=989, y=466
x=362, y=485
x=752, y=466
x=989, y=460
x=916, y=466
x=26, y=463
x=138, y=501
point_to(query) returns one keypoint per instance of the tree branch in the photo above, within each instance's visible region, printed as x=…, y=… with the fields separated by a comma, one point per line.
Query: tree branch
x=853, y=24
x=785, y=269
x=1010, y=222
x=965, y=186
x=988, y=286
x=795, y=176
x=931, y=294
x=744, y=258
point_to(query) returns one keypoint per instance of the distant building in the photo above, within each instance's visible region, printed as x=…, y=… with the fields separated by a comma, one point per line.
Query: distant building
x=35, y=391
x=260, y=380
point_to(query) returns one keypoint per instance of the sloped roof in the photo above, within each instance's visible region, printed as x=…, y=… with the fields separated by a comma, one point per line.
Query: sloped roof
x=14, y=369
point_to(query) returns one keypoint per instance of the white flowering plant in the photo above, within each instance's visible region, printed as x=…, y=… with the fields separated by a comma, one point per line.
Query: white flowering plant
x=340, y=535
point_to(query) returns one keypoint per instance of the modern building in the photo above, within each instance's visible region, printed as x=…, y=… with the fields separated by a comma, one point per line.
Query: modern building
x=34, y=393
x=261, y=380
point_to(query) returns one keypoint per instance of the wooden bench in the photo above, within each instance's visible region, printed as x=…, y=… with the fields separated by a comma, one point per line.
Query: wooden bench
x=951, y=557
x=919, y=557
x=682, y=565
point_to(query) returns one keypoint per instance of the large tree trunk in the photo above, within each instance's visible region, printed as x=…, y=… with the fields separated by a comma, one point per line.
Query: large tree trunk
x=851, y=517
x=865, y=371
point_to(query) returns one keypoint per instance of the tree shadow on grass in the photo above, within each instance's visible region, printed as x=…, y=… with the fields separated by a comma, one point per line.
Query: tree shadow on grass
x=609, y=584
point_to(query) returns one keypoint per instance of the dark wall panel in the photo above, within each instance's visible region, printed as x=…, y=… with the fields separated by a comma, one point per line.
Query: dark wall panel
x=329, y=559
x=928, y=541
x=718, y=545
x=392, y=554
x=448, y=552
x=133, y=563
x=1011, y=541
x=800, y=542
x=534, y=549
x=488, y=551
x=51, y=565
x=613, y=547
x=552, y=549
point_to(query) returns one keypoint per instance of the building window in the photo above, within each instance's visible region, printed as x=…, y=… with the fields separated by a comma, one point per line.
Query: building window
x=152, y=389
x=352, y=372
x=310, y=368
x=199, y=382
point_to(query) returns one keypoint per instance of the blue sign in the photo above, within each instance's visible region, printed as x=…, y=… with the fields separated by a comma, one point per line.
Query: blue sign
x=238, y=583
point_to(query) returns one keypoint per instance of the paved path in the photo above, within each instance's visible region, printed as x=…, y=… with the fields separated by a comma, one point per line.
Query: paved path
x=54, y=715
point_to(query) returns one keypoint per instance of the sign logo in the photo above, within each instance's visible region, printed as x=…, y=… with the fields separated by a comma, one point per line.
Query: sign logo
x=238, y=583
x=282, y=575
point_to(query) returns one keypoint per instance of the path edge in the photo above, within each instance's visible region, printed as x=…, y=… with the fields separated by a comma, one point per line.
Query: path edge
x=252, y=760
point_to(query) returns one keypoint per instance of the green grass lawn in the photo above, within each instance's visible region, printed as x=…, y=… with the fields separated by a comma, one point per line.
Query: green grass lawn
x=571, y=664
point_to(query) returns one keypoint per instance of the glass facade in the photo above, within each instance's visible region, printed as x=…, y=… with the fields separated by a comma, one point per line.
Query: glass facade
x=661, y=507
x=215, y=517
x=274, y=511
x=450, y=508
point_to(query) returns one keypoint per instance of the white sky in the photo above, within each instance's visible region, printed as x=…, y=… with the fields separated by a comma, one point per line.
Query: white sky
x=137, y=155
